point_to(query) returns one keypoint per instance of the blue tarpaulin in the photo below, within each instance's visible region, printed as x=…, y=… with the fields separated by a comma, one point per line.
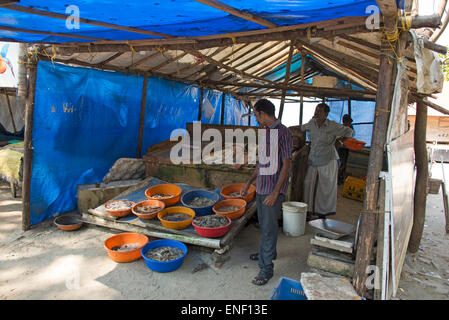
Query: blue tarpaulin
x=85, y=119
x=175, y=17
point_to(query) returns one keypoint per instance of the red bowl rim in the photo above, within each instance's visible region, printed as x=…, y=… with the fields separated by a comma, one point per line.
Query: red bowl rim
x=211, y=229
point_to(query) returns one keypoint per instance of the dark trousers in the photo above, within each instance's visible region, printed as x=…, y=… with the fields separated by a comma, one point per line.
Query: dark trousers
x=268, y=225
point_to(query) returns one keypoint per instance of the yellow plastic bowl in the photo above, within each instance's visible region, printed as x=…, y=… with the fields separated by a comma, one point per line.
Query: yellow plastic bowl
x=176, y=224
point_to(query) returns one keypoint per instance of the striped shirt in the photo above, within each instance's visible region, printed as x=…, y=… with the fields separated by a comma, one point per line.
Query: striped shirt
x=278, y=140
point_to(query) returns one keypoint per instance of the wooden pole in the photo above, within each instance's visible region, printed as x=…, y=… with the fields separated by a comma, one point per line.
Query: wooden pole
x=287, y=78
x=223, y=103
x=367, y=227
x=301, y=103
x=422, y=174
x=28, y=148
x=200, y=107
x=10, y=110
x=143, y=104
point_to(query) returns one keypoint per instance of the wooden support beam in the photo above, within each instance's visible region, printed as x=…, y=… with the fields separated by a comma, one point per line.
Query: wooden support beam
x=83, y=20
x=422, y=175
x=200, y=107
x=28, y=148
x=167, y=62
x=388, y=8
x=10, y=110
x=223, y=104
x=287, y=78
x=48, y=33
x=143, y=104
x=367, y=227
x=238, y=13
x=328, y=28
x=301, y=103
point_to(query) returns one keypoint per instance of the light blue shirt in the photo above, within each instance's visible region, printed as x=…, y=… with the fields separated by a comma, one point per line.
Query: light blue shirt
x=322, y=140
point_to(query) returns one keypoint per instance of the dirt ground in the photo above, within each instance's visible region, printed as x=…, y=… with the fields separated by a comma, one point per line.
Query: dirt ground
x=47, y=263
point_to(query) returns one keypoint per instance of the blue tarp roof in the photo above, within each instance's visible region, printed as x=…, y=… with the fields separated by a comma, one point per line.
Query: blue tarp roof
x=172, y=17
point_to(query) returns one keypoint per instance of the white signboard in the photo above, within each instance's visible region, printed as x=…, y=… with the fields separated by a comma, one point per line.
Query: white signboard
x=9, y=55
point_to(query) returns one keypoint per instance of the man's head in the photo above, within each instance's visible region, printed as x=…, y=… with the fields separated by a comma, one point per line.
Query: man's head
x=347, y=120
x=321, y=111
x=264, y=111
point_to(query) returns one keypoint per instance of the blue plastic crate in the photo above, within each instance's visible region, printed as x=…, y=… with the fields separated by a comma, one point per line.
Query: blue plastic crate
x=288, y=289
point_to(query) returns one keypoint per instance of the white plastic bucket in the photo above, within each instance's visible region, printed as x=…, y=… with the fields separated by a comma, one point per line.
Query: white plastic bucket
x=294, y=218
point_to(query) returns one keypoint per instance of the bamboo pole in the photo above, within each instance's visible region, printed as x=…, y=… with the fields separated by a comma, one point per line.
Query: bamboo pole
x=28, y=148
x=200, y=107
x=223, y=104
x=10, y=110
x=143, y=104
x=422, y=174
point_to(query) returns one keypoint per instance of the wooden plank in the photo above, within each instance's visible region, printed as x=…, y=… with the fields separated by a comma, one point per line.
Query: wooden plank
x=316, y=261
x=446, y=205
x=387, y=7
x=342, y=246
x=191, y=239
x=401, y=166
x=238, y=13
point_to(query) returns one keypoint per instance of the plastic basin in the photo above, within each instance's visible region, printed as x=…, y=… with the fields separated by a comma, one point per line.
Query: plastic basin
x=152, y=215
x=353, y=144
x=68, y=222
x=120, y=212
x=230, y=202
x=166, y=188
x=236, y=187
x=200, y=211
x=163, y=266
x=212, y=232
x=122, y=239
x=178, y=225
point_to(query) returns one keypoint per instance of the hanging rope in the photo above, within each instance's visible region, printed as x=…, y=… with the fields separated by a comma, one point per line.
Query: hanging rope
x=403, y=23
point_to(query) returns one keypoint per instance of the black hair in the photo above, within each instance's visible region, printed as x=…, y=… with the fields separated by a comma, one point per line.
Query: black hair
x=347, y=118
x=266, y=106
x=324, y=106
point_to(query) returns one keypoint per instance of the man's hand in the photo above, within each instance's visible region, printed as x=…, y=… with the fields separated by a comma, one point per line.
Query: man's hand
x=244, y=190
x=270, y=200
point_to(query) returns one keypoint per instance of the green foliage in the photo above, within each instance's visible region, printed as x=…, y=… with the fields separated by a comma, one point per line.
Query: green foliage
x=445, y=63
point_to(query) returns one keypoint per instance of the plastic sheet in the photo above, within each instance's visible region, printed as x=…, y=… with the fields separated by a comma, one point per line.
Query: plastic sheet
x=177, y=18
x=83, y=121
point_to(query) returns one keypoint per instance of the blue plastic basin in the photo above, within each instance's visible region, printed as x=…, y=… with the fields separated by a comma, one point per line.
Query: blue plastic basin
x=200, y=211
x=164, y=266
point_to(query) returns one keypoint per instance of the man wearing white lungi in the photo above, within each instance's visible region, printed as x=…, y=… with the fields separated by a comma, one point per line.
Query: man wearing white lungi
x=320, y=183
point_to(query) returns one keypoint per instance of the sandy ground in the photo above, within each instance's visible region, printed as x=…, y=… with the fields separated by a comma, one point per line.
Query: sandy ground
x=47, y=263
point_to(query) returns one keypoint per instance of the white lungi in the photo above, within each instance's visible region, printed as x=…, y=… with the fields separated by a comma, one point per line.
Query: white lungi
x=325, y=180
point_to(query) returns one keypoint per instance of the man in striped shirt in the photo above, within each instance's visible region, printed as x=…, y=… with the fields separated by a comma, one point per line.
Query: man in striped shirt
x=271, y=175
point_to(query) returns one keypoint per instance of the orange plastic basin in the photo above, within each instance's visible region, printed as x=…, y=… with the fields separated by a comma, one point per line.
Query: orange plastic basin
x=176, y=224
x=236, y=187
x=168, y=189
x=121, y=212
x=152, y=215
x=122, y=239
x=353, y=144
x=230, y=202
